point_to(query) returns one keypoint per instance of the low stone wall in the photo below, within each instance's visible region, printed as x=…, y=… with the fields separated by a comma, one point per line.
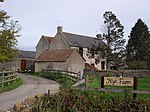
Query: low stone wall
x=28, y=103
x=9, y=66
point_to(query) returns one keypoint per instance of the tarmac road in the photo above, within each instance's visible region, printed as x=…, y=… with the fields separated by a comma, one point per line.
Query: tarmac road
x=32, y=85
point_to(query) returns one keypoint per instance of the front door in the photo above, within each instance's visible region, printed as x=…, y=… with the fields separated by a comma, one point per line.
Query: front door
x=23, y=65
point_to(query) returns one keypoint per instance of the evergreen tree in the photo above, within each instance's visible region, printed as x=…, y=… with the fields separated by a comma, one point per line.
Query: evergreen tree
x=138, y=47
x=113, y=37
x=113, y=47
x=9, y=30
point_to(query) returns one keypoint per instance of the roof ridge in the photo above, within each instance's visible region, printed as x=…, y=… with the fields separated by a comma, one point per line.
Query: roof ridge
x=87, y=36
x=47, y=36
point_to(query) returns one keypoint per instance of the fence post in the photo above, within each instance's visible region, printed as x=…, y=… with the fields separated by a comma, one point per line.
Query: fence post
x=86, y=81
x=135, y=87
x=9, y=78
x=102, y=82
x=14, y=77
x=3, y=76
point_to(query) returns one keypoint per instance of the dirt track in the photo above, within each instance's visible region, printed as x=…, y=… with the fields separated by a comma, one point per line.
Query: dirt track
x=31, y=86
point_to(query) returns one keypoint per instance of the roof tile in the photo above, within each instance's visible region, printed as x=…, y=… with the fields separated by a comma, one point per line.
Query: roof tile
x=48, y=38
x=81, y=40
x=55, y=55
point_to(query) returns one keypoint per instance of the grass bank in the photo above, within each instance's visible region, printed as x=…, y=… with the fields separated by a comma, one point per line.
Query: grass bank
x=62, y=79
x=11, y=86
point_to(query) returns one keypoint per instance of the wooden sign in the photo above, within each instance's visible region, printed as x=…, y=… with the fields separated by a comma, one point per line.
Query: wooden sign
x=118, y=81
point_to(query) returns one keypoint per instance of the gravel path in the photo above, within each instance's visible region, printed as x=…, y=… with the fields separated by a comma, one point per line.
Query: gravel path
x=31, y=86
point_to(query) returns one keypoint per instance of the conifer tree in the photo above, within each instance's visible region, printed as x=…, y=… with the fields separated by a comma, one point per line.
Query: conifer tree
x=138, y=42
x=112, y=48
x=138, y=47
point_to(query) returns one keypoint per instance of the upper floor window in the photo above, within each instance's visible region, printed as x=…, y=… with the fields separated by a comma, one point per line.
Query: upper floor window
x=81, y=51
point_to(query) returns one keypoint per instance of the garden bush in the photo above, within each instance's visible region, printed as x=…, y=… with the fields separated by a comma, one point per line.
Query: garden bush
x=87, y=101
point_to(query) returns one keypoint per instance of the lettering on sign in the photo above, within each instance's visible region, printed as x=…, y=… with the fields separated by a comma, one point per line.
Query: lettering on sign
x=118, y=81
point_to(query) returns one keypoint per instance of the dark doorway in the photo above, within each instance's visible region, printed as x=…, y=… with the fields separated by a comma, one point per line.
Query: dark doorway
x=103, y=65
x=23, y=65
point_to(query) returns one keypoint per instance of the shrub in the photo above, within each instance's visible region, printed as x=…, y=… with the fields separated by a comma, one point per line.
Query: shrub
x=88, y=101
x=138, y=65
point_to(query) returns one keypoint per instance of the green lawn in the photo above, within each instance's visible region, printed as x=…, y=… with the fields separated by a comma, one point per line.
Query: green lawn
x=143, y=84
x=11, y=86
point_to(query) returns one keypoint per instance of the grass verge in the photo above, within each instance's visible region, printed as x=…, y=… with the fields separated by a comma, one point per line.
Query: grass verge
x=62, y=79
x=143, y=84
x=11, y=86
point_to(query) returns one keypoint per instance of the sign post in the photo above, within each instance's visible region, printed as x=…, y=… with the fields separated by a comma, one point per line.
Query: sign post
x=135, y=88
x=120, y=81
x=102, y=82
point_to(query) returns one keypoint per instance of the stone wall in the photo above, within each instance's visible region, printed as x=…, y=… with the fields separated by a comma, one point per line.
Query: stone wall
x=41, y=47
x=59, y=43
x=10, y=66
x=76, y=63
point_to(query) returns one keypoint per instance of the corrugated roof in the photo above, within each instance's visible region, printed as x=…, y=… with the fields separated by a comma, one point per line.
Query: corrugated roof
x=55, y=55
x=80, y=40
x=26, y=54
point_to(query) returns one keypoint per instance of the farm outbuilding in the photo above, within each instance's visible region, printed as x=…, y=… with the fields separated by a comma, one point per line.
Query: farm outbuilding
x=25, y=60
x=68, y=59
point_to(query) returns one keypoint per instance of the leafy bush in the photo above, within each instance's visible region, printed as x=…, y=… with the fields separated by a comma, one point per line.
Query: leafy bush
x=87, y=101
x=138, y=65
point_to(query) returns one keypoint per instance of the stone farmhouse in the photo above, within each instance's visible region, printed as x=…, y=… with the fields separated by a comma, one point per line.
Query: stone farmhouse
x=66, y=51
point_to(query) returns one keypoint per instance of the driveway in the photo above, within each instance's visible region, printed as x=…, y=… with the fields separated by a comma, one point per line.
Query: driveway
x=32, y=85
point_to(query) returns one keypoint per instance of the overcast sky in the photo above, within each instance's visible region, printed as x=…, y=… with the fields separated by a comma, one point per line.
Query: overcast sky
x=85, y=17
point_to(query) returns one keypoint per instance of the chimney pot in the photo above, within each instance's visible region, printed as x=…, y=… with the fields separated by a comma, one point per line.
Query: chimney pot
x=59, y=29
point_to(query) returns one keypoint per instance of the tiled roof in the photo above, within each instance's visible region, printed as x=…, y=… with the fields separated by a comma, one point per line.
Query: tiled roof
x=55, y=55
x=26, y=54
x=80, y=40
x=48, y=38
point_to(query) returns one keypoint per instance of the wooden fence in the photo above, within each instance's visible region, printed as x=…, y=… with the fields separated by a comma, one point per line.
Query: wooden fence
x=103, y=89
x=7, y=78
x=74, y=76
